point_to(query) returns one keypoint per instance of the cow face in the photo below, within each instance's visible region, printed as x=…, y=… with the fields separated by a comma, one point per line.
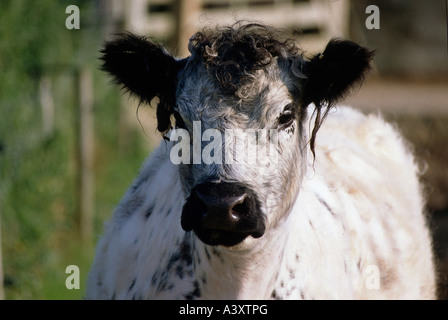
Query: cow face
x=235, y=112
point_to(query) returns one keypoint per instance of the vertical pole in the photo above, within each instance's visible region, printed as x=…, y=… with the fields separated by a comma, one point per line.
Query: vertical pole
x=85, y=154
x=136, y=15
x=135, y=18
x=186, y=15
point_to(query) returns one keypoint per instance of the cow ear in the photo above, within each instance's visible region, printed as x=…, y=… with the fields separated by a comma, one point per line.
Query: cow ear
x=145, y=70
x=331, y=74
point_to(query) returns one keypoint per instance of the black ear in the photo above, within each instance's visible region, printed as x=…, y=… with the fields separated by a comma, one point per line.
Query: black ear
x=145, y=70
x=332, y=74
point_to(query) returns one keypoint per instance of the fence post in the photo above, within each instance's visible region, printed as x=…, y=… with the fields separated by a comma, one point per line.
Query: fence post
x=85, y=153
x=186, y=15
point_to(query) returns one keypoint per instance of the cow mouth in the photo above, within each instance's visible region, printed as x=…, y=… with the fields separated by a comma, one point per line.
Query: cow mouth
x=215, y=237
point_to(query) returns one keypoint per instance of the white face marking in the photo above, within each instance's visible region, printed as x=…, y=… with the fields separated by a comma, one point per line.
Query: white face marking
x=270, y=109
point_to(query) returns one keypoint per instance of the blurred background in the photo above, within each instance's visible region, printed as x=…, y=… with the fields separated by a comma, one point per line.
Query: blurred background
x=71, y=143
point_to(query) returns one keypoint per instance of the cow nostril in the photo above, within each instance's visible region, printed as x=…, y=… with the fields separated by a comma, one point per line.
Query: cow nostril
x=222, y=209
x=240, y=207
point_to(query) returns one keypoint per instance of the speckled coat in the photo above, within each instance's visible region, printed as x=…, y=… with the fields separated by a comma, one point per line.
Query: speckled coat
x=345, y=223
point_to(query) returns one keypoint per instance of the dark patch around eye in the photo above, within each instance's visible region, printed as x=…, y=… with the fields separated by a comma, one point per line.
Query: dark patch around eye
x=287, y=117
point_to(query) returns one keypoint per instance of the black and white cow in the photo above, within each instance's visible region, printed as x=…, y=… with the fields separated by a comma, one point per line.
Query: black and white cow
x=340, y=216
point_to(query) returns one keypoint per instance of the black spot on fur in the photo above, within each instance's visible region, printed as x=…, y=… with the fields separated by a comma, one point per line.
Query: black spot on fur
x=149, y=211
x=274, y=295
x=168, y=211
x=311, y=224
x=180, y=271
x=137, y=185
x=196, y=293
x=182, y=260
x=217, y=254
x=291, y=275
x=154, y=279
x=132, y=205
x=160, y=280
x=163, y=282
x=183, y=255
x=132, y=285
x=207, y=254
x=174, y=258
x=325, y=204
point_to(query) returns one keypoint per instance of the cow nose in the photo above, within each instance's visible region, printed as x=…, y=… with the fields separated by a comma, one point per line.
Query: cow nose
x=222, y=213
x=223, y=209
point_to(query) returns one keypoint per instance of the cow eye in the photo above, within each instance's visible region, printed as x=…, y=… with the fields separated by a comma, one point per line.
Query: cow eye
x=286, y=118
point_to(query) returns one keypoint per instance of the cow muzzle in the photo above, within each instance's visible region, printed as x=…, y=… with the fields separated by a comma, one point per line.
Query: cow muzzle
x=223, y=213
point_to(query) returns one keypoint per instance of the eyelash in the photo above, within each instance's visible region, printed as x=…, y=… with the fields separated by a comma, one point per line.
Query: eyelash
x=286, y=118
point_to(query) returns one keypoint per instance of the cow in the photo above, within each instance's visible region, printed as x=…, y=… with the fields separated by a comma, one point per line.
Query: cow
x=334, y=210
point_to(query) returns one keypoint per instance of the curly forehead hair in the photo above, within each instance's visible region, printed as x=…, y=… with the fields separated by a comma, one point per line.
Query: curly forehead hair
x=232, y=54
